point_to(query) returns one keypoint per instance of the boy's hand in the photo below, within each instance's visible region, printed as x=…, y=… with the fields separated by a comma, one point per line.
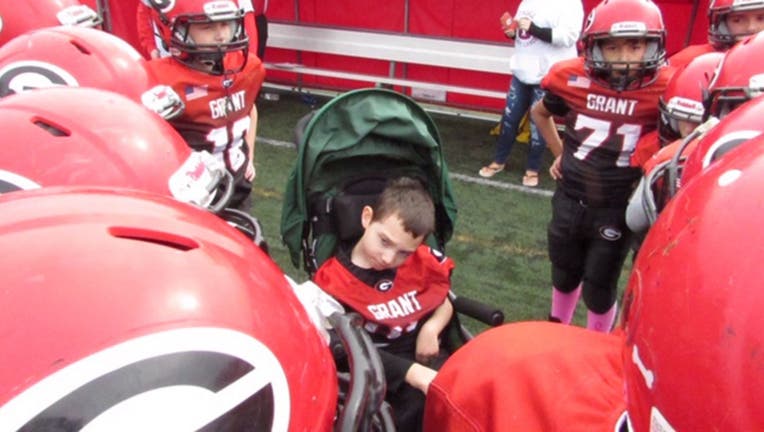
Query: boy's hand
x=427, y=345
x=420, y=377
x=556, y=169
x=250, y=173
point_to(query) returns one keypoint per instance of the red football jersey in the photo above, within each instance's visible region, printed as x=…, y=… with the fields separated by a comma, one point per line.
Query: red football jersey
x=530, y=376
x=395, y=306
x=602, y=128
x=647, y=146
x=217, y=114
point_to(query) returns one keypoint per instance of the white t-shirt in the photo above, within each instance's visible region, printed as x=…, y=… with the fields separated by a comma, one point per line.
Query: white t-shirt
x=533, y=57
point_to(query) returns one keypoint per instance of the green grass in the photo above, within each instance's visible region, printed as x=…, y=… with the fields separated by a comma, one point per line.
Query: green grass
x=499, y=242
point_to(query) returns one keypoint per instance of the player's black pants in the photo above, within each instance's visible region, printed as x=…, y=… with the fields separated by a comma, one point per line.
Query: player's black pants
x=587, y=244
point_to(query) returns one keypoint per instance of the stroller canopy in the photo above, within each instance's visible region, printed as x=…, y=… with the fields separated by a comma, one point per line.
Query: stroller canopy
x=368, y=132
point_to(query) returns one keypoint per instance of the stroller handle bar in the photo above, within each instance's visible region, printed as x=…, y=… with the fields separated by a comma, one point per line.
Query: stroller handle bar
x=480, y=311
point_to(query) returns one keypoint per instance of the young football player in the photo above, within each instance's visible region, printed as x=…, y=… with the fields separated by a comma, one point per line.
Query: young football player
x=681, y=111
x=218, y=79
x=729, y=21
x=609, y=99
x=400, y=287
x=736, y=81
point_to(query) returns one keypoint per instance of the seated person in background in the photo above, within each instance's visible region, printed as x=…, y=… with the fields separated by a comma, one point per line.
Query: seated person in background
x=400, y=287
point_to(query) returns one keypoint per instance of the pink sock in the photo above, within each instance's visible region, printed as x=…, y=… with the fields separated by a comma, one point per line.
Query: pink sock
x=601, y=322
x=564, y=304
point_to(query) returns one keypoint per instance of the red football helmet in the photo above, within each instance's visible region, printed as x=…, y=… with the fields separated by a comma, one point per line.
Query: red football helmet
x=131, y=311
x=72, y=56
x=17, y=18
x=741, y=125
x=693, y=155
x=692, y=312
x=718, y=33
x=219, y=57
x=683, y=98
x=104, y=139
x=738, y=77
x=624, y=19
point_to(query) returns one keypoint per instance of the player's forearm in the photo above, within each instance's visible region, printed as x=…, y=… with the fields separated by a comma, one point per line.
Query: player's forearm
x=439, y=319
x=544, y=122
x=251, y=135
x=420, y=377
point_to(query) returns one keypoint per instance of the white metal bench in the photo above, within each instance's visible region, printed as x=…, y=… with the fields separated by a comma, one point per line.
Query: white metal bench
x=395, y=48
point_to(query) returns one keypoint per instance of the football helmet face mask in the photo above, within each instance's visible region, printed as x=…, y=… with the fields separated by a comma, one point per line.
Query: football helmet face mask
x=683, y=98
x=738, y=77
x=113, y=284
x=719, y=34
x=610, y=20
x=16, y=19
x=219, y=22
x=692, y=312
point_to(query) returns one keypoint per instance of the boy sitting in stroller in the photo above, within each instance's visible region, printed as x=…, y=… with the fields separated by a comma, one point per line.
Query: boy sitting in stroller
x=400, y=287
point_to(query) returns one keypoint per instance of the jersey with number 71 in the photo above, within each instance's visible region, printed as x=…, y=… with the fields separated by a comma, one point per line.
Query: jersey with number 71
x=602, y=127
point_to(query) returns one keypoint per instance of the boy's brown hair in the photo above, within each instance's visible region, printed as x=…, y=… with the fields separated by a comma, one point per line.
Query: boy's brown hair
x=408, y=198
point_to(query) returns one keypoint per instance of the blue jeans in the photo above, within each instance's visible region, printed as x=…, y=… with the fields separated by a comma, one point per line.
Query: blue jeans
x=520, y=98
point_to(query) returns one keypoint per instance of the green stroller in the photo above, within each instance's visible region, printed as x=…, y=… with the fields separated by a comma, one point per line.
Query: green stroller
x=347, y=151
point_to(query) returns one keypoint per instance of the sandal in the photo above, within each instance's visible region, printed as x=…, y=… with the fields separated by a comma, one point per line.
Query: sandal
x=491, y=170
x=531, y=179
